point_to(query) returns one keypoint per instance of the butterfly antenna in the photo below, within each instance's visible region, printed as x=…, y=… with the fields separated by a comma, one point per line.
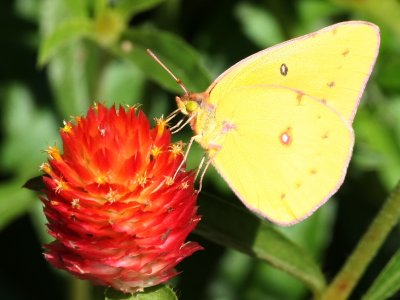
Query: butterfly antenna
x=178, y=81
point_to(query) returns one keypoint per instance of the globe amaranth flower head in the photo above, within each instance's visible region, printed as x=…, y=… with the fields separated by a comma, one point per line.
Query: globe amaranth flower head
x=118, y=215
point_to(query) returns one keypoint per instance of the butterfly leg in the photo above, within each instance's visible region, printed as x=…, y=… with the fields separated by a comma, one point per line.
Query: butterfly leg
x=210, y=160
x=192, y=139
x=173, y=128
x=200, y=167
x=179, y=126
x=172, y=115
x=202, y=174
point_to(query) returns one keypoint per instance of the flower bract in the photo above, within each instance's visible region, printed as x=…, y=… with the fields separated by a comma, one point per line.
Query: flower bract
x=116, y=203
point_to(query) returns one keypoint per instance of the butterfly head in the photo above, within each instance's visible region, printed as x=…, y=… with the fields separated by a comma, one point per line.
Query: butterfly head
x=189, y=104
x=186, y=106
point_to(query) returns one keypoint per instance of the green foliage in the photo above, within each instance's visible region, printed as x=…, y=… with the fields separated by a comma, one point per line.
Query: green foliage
x=128, y=8
x=65, y=54
x=63, y=34
x=186, y=65
x=14, y=201
x=162, y=292
x=259, y=25
x=388, y=281
x=24, y=126
x=256, y=238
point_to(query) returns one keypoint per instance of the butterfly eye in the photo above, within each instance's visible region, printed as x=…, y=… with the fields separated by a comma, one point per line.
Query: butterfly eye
x=191, y=106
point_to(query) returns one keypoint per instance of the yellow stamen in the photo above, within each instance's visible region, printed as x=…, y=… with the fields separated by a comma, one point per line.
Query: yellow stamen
x=102, y=131
x=101, y=179
x=61, y=185
x=75, y=203
x=177, y=148
x=169, y=180
x=184, y=185
x=155, y=151
x=111, y=196
x=67, y=127
x=77, y=119
x=45, y=167
x=53, y=152
x=161, y=122
x=142, y=179
x=134, y=106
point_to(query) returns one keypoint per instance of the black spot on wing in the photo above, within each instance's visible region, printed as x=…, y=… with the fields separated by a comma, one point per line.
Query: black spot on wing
x=284, y=69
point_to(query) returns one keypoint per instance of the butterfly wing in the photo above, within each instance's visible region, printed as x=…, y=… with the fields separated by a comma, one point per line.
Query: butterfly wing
x=280, y=120
x=332, y=64
x=283, y=153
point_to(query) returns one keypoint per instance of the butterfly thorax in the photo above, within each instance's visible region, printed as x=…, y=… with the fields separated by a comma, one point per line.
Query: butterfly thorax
x=202, y=115
x=209, y=131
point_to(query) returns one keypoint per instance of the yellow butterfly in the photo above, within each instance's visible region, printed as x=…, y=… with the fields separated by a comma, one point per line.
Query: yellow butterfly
x=277, y=125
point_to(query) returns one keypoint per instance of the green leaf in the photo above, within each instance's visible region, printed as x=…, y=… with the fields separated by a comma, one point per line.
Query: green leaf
x=67, y=73
x=315, y=232
x=385, y=12
x=257, y=238
x=66, y=32
x=35, y=184
x=78, y=8
x=28, y=9
x=100, y=6
x=67, y=69
x=314, y=14
x=121, y=83
x=182, y=59
x=14, y=201
x=388, y=281
x=39, y=222
x=259, y=25
x=27, y=129
x=128, y=8
x=160, y=292
x=377, y=147
x=55, y=12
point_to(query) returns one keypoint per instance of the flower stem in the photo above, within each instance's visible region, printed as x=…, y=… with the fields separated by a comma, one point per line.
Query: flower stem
x=345, y=281
x=80, y=289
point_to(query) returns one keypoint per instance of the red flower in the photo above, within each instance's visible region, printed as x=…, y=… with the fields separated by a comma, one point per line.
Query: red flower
x=118, y=216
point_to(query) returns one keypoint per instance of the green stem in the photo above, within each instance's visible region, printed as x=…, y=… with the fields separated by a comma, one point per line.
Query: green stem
x=80, y=289
x=345, y=281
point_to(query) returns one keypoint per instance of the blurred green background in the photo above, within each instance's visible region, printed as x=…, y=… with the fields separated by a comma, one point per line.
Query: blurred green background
x=59, y=56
